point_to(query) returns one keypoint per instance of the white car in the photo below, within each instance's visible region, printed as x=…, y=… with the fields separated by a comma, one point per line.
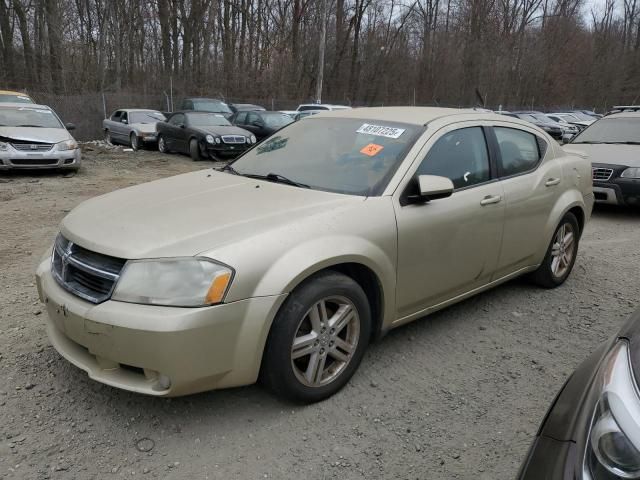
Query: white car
x=33, y=136
x=325, y=107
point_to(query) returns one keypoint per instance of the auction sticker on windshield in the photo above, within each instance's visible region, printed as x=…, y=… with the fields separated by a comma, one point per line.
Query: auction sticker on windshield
x=380, y=130
x=372, y=149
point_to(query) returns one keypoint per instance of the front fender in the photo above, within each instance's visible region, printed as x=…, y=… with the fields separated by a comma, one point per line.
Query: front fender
x=305, y=259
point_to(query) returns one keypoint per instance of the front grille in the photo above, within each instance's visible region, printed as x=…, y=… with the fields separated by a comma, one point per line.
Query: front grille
x=84, y=273
x=234, y=139
x=602, y=174
x=32, y=147
x=34, y=161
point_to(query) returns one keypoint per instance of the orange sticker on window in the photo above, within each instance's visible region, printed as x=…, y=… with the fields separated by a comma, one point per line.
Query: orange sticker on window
x=371, y=149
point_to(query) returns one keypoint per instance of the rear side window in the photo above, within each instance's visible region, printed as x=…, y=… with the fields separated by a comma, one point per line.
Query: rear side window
x=461, y=156
x=519, y=151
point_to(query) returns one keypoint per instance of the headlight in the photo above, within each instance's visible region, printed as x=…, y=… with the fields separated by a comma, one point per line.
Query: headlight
x=209, y=139
x=633, y=172
x=252, y=139
x=67, y=145
x=614, y=440
x=4, y=147
x=178, y=282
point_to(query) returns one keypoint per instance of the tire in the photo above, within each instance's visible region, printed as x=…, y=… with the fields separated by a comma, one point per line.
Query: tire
x=194, y=150
x=561, y=254
x=327, y=357
x=134, y=142
x=162, y=145
x=107, y=137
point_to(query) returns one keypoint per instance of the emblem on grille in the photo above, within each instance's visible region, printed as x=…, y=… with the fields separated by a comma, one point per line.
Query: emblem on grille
x=64, y=259
x=33, y=147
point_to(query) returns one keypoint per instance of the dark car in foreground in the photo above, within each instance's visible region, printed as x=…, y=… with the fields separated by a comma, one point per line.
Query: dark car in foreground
x=592, y=430
x=613, y=145
x=261, y=124
x=202, y=135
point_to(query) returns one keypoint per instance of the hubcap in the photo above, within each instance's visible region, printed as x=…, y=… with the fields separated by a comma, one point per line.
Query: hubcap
x=325, y=341
x=134, y=142
x=562, y=250
x=161, y=144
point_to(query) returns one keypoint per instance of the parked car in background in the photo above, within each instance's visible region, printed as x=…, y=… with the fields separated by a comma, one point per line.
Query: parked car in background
x=578, y=119
x=245, y=107
x=33, y=136
x=261, y=124
x=315, y=106
x=592, y=429
x=569, y=130
x=624, y=108
x=613, y=146
x=540, y=120
x=132, y=126
x=10, y=96
x=202, y=135
x=305, y=114
x=289, y=261
x=590, y=113
x=199, y=104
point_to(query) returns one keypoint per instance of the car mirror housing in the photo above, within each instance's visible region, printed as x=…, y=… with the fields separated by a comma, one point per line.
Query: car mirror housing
x=70, y=126
x=433, y=187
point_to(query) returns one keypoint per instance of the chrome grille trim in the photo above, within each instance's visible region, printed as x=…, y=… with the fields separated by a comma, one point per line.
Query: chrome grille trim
x=32, y=147
x=601, y=174
x=88, y=275
x=234, y=139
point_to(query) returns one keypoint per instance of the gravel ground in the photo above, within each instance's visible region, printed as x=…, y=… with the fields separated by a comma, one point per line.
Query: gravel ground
x=459, y=394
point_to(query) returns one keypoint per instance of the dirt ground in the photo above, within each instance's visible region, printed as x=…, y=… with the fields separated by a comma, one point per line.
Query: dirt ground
x=457, y=395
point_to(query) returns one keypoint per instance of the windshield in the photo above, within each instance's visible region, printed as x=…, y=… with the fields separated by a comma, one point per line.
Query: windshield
x=542, y=118
x=583, y=117
x=28, y=117
x=611, y=130
x=146, y=117
x=206, y=120
x=211, y=106
x=14, y=98
x=343, y=155
x=276, y=120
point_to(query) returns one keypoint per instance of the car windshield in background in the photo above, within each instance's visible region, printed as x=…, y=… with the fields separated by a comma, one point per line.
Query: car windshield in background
x=146, y=117
x=276, y=120
x=211, y=106
x=611, y=130
x=542, y=118
x=207, y=120
x=28, y=117
x=343, y=155
x=582, y=117
x=10, y=98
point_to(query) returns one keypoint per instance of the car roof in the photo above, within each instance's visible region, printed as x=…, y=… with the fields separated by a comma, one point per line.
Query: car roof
x=411, y=115
x=23, y=105
x=137, y=110
x=624, y=115
x=204, y=98
x=197, y=112
x=13, y=92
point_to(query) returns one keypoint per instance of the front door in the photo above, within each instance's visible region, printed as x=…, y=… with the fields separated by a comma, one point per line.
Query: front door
x=450, y=246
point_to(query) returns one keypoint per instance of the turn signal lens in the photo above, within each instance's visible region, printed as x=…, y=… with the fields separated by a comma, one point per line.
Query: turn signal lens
x=218, y=288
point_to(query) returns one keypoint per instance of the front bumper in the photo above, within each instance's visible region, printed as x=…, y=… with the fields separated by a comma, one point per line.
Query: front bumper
x=138, y=347
x=225, y=149
x=617, y=190
x=14, y=159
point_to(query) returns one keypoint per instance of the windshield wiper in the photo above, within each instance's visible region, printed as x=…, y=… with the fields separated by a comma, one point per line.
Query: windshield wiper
x=230, y=169
x=276, y=178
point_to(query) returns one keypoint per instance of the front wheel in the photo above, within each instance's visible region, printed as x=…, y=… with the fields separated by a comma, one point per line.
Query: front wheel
x=133, y=140
x=162, y=145
x=318, y=338
x=107, y=138
x=194, y=150
x=561, y=254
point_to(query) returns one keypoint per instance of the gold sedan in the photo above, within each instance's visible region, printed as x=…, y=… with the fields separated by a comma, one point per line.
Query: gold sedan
x=286, y=264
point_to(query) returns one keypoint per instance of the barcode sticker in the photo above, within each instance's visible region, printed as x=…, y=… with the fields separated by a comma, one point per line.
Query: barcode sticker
x=380, y=130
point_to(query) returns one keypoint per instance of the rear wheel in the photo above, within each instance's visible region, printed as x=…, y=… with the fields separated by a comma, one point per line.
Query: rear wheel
x=194, y=150
x=561, y=254
x=133, y=140
x=107, y=137
x=318, y=338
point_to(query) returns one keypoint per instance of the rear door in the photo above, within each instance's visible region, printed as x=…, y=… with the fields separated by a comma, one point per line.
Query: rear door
x=532, y=183
x=450, y=246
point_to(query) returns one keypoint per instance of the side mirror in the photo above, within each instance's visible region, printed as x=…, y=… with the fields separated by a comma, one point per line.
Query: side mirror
x=70, y=126
x=433, y=187
x=181, y=125
x=125, y=121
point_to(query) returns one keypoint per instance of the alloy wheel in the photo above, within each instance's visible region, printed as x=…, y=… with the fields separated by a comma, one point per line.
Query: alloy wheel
x=563, y=250
x=325, y=341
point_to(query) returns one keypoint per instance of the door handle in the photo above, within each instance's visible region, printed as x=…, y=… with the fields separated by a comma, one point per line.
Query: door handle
x=551, y=182
x=489, y=199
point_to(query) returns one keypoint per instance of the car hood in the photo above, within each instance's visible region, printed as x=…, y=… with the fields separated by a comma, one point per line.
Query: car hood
x=31, y=134
x=144, y=127
x=191, y=213
x=224, y=130
x=628, y=155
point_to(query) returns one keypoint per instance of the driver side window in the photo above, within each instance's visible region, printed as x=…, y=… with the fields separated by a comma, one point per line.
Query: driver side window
x=177, y=120
x=461, y=156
